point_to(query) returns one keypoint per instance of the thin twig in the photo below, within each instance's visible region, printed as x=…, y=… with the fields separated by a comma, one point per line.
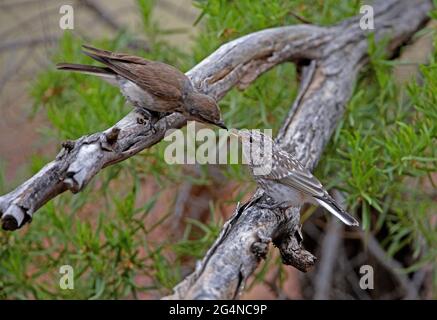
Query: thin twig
x=329, y=251
x=391, y=265
x=300, y=18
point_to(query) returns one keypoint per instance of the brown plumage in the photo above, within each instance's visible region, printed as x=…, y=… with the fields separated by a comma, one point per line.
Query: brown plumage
x=153, y=86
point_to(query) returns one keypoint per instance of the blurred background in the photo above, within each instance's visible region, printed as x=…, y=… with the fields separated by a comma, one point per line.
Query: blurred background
x=138, y=228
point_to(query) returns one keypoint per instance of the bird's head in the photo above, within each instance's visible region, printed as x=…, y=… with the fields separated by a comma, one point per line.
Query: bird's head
x=257, y=147
x=252, y=137
x=203, y=107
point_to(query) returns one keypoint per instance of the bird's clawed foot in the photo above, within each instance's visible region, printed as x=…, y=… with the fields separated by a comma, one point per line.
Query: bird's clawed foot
x=151, y=126
x=151, y=117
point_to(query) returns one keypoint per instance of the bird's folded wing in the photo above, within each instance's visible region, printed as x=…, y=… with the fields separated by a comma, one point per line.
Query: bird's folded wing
x=158, y=78
x=291, y=173
x=154, y=78
x=303, y=184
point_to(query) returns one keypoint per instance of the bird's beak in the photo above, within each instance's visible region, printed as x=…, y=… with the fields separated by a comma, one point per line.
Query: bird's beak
x=221, y=124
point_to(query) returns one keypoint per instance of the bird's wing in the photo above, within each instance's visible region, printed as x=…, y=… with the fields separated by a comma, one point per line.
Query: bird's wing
x=292, y=173
x=160, y=79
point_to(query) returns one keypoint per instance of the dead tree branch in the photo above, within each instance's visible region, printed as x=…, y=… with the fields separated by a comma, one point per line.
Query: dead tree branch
x=236, y=63
x=329, y=58
x=326, y=86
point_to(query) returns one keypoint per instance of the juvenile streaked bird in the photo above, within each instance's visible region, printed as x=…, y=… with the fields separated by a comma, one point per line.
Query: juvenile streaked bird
x=154, y=87
x=284, y=178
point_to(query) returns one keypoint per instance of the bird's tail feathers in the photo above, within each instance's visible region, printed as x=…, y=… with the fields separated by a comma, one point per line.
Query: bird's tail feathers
x=101, y=55
x=103, y=72
x=97, y=51
x=329, y=204
x=97, y=57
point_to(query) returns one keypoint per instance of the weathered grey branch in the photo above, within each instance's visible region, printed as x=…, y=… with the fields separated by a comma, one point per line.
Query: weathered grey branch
x=336, y=55
x=326, y=86
x=236, y=63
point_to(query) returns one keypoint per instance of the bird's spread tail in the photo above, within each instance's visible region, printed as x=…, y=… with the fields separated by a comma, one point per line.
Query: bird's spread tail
x=103, y=72
x=329, y=204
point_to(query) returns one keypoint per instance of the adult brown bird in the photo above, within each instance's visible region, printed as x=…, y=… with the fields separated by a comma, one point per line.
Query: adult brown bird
x=154, y=87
